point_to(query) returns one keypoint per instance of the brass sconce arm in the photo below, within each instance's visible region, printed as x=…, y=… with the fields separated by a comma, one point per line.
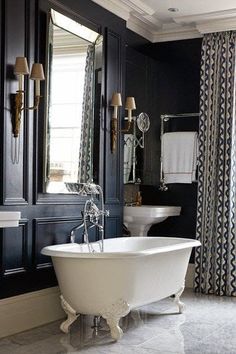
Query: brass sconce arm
x=114, y=125
x=36, y=104
x=115, y=103
x=19, y=107
x=18, y=110
x=127, y=127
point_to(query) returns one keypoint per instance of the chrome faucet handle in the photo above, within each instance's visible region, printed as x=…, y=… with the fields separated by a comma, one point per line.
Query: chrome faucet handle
x=105, y=212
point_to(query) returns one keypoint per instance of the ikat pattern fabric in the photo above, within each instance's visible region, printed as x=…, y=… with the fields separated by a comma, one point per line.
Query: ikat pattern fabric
x=215, y=260
x=85, y=166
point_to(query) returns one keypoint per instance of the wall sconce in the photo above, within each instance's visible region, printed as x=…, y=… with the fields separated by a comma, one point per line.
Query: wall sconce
x=129, y=106
x=21, y=69
x=115, y=102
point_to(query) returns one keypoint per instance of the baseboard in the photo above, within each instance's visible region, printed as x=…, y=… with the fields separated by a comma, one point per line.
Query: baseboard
x=189, y=279
x=23, y=312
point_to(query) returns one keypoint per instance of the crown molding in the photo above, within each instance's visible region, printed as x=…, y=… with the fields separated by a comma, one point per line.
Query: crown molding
x=217, y=26
x=116, y=7
x=139, y=27
x=211, y=16
x=174, y=32
x=138, y=6
x=123, y=8
x=170, y=32
x=147, y=21
x=211, y=22
x=141, y=19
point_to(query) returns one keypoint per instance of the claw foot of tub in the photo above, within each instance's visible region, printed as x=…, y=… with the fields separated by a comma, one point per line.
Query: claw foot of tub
x=71, y=315
x=179, y=303
x=116, y=331
x=113, y=314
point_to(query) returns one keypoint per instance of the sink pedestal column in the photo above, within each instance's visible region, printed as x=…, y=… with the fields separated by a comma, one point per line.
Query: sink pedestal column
x=138, y=230
x=139, y=219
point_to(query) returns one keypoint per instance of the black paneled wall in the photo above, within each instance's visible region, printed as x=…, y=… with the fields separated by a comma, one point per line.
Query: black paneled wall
x=165, y=78
x=46, y=218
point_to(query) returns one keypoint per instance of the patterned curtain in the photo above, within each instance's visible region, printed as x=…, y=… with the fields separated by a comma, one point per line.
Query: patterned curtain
x=215, y=267
x=85, y=156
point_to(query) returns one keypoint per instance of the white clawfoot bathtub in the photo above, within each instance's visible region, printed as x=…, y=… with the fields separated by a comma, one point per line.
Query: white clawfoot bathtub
x=131, y=272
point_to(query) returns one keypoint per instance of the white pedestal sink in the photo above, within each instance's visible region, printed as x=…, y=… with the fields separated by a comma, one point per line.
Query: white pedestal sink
x=139, y=219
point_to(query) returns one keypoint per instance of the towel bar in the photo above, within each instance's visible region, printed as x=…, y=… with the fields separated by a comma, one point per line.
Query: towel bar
x=164, y=118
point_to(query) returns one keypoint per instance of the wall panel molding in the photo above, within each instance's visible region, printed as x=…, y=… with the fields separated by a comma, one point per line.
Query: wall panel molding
x=112, y=225
x=59, y=199
x=50, y=217
x=15, y=245
x=2, y=75
x=15, y=201
x=15, y=173
x=114, y=72
x=48, y=231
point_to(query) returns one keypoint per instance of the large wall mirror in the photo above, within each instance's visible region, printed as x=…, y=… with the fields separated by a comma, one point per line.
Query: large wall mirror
x=73, y=104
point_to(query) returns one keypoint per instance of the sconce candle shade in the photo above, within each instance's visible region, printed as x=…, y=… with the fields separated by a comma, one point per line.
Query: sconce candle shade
x=21, y=66
x=116, y=100
x=130, y=103
x=37, y=74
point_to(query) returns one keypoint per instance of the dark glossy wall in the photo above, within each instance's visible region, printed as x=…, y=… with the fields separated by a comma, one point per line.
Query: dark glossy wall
x=47, y=219
x=161, y=82
x=165, y=78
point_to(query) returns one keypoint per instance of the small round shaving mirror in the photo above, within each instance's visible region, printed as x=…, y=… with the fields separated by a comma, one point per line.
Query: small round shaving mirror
x=143, y=122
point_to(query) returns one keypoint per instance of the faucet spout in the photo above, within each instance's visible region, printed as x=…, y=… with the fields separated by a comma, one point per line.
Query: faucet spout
x=72, y=233
x=92, y=215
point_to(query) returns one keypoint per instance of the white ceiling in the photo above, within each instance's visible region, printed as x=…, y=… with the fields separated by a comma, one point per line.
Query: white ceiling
x=152, y=20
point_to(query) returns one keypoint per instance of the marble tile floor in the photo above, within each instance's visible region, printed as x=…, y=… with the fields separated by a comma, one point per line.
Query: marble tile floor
x=208, y=326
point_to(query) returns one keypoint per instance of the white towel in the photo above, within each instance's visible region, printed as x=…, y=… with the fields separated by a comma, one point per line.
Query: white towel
x=179, y=157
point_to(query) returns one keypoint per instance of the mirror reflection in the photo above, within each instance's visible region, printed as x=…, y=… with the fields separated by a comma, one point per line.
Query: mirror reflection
x=74, y=95
x=134, y=141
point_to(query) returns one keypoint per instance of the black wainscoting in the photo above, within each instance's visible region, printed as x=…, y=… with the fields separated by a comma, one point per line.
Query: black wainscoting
x=170, y=84
x=48, y=219
x=166, y=79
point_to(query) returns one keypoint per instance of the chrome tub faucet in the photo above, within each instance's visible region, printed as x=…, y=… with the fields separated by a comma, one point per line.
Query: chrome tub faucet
x=92, y=215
